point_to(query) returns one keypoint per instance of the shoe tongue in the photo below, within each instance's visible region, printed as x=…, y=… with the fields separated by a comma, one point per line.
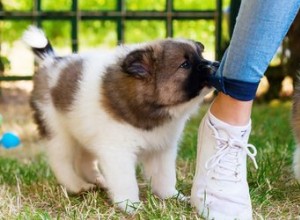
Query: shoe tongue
x=226, y=130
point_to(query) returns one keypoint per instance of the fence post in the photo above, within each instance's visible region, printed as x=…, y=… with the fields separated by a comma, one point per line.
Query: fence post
x=121, y=21
x=169, y=19
x=74, y=22
x=37, y=8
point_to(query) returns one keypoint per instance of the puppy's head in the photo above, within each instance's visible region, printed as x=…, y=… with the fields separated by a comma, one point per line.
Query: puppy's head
x=173, y=70
x=153, y=78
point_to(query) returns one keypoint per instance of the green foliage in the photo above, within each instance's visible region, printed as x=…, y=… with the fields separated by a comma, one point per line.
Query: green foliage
x=11, y=31
x=104, y=32
x=97, y=5
x=17, y=5
x=144, y=30
x=200, y=30
x=59, y=31
x=4, y=64
x=61, y=5
x=194, y=5
x=148, y=5
x=99, y=32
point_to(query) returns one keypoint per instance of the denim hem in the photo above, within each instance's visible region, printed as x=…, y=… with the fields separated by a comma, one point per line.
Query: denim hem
x=240, y=90
x=237, y=89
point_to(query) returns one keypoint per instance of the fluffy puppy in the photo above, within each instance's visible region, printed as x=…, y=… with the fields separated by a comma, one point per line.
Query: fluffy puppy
x=101, y=113
x=296, y=128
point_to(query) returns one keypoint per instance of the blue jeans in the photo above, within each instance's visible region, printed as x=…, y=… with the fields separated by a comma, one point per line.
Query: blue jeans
x=260, y=28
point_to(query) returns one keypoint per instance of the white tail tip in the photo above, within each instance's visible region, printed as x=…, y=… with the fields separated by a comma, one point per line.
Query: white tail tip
x=35, y=37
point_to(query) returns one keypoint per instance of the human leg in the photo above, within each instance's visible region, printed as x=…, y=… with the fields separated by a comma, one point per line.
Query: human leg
x=259, y=30
x=231, y=110
x=220, y=189
x=223, y=134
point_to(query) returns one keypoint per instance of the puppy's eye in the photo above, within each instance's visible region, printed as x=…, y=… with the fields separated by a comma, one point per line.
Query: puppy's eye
x=186, y=65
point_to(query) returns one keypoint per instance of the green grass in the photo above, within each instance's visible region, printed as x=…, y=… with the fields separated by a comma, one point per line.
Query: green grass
x=28, y=189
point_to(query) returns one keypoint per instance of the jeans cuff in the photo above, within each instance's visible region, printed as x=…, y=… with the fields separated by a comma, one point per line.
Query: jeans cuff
x=237, y=89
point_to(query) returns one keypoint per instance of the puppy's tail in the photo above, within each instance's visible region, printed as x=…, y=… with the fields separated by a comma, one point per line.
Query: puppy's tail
x=35, y=38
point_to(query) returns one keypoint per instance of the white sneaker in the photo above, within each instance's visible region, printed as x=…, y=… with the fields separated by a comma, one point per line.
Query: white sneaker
x=220, y=189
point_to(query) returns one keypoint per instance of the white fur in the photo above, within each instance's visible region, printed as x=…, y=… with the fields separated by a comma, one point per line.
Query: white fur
x=35, y=37
x=87, y=135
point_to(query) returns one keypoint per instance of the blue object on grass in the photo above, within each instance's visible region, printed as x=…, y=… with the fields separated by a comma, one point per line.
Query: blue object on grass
x=10, y=140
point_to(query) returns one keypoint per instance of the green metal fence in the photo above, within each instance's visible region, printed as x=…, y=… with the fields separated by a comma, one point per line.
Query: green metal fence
x=120, y=15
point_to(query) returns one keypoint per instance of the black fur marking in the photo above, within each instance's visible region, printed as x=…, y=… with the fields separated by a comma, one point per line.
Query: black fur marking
x=42, y=53
x=199, y=77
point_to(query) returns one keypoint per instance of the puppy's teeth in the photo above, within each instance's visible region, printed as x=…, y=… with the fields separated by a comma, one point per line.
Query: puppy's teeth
x=35, y=37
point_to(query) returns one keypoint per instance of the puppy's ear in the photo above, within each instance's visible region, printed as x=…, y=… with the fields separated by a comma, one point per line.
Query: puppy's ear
x=200, y=46
x=139, y=63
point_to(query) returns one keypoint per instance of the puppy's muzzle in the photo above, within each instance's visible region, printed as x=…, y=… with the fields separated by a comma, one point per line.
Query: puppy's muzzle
x=208, y=70
x=208, y=66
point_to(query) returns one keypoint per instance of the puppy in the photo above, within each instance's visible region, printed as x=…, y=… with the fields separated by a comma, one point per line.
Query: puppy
x=102, y=113
x=296, y=129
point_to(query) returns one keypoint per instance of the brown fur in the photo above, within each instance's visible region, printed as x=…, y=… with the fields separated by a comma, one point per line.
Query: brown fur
x=143, y=100
x=39, y=92
x=63, y=94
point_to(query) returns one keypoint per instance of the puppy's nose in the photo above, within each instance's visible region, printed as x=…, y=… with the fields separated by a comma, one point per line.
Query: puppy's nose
x=216, y=64
x=205, y=63
x=208, y=65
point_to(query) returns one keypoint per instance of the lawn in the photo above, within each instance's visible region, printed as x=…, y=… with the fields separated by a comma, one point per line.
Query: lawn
x=28, y=189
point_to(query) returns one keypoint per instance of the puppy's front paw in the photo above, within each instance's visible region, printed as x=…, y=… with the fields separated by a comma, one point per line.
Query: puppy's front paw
x=75, y=190
x=100, y=181
x=87, y=187
x=171, y=194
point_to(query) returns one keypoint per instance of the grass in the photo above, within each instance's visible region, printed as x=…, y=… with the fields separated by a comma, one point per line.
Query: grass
x=28, y=189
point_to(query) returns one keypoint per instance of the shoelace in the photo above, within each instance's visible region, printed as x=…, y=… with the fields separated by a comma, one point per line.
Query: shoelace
x=225, y=163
